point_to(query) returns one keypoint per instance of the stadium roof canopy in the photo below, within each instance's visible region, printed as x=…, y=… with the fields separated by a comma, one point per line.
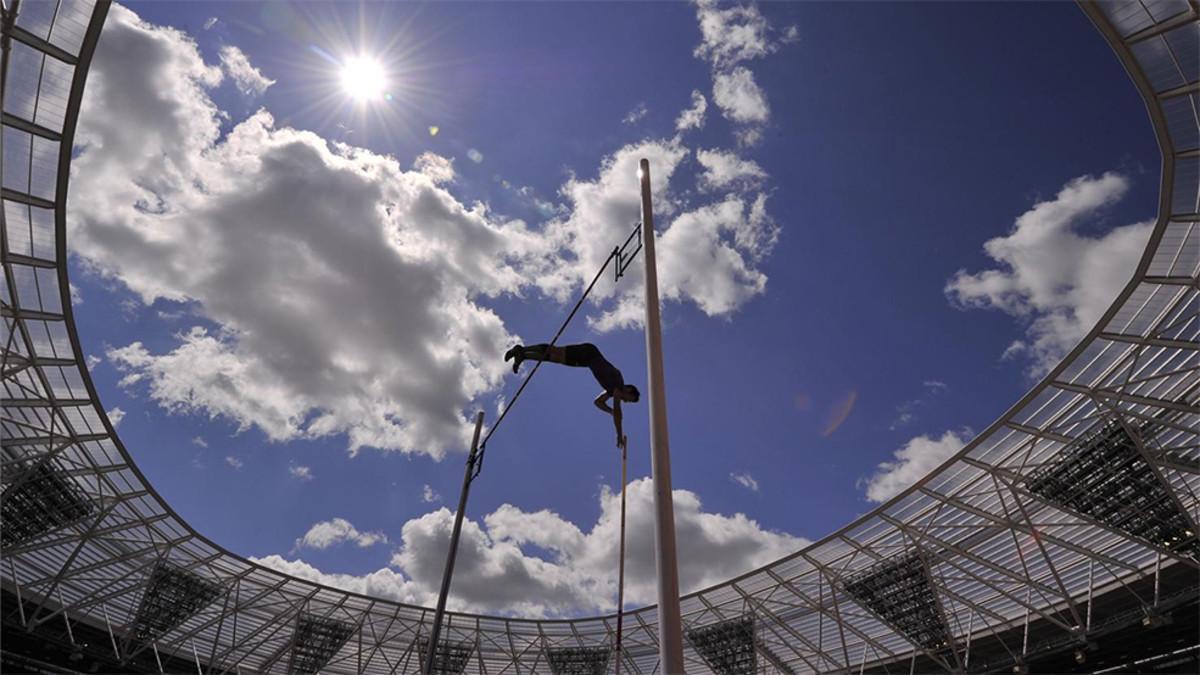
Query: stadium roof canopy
x=1086, y=488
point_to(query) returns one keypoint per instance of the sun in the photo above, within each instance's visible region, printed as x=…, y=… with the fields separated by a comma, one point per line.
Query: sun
x=364, y=79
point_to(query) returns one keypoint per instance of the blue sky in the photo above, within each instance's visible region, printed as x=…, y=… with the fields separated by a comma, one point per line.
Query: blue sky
x=832, y=334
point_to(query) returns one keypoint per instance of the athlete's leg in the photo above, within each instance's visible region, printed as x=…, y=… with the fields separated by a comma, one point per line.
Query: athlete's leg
x=543, y=352
x=539, y=352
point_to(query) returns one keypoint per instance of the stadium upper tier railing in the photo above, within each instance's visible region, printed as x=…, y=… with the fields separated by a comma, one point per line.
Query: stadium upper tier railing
x=1087, y=484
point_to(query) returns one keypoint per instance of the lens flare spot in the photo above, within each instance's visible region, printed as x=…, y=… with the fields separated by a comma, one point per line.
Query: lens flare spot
x=839, y=411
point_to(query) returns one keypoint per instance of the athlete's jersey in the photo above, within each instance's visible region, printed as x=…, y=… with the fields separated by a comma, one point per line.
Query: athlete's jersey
x=588, y=356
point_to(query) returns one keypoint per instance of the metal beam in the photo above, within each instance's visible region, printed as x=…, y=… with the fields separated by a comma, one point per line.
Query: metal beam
x=44, y=403
x=47, y=48
x=31, y=314
x=1130, y=398
x=1182, y=19
x=1148, y=341
x=28, y=260
x=1170, y=281
x=24, y=198
x=15, y=122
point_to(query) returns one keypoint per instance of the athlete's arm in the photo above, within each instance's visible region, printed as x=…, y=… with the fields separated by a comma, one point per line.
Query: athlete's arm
x=601, y=402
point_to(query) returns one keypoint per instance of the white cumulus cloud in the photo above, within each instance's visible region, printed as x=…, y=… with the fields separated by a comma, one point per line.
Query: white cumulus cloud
x=580, y=572
x=115, y=416
x=342, y=293
x=327, y=533
x=249, y=80
x=693, y=116
x=382, y=583
x=539, y=564
x=1053, y=277
x=428, y=495
x=300, y=472
x=732, y=36
x=636, y=115
x=724, y=169
x=707, y=255
x=913, y=462
x=439, y=169
x=745, y=480
x=346, y=288
x=739, y=97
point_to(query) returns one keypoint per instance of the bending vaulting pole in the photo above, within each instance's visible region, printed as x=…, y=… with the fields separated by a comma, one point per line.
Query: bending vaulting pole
x=432, y=650
x=670, y=637
x=621, y=562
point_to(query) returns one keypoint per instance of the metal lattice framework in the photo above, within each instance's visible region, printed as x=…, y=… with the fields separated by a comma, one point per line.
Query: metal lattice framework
x=1104, y=476
x=900, y=592
x=1004, y=552
x=315, y=642
x=451, y=658
x=173, y=595
x=40, y=500
x=578, y=660
x=727, y=647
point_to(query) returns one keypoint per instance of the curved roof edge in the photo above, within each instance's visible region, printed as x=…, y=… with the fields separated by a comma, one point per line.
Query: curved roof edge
x=990, y=547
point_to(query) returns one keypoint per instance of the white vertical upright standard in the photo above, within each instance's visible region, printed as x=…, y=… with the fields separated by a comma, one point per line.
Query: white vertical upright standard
x=670, y=634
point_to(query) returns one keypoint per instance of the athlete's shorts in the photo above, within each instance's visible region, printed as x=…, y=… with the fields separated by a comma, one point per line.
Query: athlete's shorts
x=581, y=356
